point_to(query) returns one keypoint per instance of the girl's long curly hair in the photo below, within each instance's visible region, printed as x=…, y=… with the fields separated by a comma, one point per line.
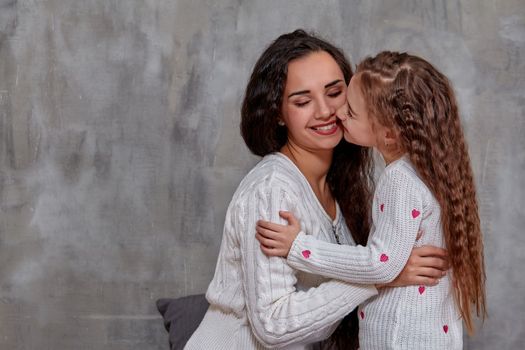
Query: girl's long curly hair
x=408, y=94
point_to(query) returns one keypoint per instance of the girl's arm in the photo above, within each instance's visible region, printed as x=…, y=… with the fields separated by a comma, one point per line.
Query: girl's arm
x=280, y=314
x=396, y=218
x=425, y=266
x=277, y=239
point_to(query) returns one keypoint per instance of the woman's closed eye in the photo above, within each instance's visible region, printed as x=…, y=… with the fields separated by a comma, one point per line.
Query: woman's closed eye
x=301, y=103
x=331, y=94
x=335, y=94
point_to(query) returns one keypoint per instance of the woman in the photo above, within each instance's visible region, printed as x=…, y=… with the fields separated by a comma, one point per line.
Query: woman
x=288, y=117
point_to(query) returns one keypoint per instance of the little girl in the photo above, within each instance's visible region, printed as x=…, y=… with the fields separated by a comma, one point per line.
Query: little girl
x=401, y=105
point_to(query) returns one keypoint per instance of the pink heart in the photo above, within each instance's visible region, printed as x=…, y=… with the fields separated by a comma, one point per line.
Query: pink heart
x=362, y=314
x=306, y=253
x=421, y=289
x=415, y=213
x=383, y=258
x=445, y=328
x=382, y=207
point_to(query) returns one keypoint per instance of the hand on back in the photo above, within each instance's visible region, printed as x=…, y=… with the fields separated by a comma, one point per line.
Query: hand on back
x=425, y=266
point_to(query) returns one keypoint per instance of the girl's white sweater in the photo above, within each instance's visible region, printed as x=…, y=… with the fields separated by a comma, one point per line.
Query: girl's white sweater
x=405, y=215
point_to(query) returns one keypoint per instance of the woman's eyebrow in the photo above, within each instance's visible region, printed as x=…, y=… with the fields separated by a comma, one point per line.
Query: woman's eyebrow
x=302, y=92
x=332, y=83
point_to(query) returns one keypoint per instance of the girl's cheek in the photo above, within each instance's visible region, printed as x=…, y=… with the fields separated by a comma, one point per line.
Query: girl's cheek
x=341, y=113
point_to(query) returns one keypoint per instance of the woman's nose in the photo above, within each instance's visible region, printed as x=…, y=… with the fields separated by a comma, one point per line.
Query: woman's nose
x=325, y=110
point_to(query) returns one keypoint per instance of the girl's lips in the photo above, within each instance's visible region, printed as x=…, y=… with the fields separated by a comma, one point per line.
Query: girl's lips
x=341, y=124
x=341, y=118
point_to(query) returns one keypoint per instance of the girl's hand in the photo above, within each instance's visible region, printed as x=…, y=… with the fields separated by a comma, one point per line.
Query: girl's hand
x=425, y=266
x=275, y=239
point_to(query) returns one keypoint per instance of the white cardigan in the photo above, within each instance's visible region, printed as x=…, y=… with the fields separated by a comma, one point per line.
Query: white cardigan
x=258, y=302
x=405, y=214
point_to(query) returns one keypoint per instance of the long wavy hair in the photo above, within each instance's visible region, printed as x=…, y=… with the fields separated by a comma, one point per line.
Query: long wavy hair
x=408, y=94
x=350, y=175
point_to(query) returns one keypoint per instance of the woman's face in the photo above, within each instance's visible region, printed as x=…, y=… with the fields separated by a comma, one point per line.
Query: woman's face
x=315, y=89
x=354, y=116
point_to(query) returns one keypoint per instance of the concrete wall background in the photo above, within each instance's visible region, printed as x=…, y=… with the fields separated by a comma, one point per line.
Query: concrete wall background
x=120, y=149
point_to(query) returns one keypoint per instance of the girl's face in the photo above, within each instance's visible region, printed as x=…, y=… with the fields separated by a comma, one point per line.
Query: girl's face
x=315, y=89
x=354, y=116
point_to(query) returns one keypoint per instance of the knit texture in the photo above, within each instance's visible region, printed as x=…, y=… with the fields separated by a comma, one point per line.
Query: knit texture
x=405, y=215
x=258, y=302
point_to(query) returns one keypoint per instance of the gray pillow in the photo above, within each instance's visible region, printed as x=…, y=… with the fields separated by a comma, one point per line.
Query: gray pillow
x=181, y=317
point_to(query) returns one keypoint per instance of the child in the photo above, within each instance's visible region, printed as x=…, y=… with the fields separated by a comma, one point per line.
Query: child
x=401, y=105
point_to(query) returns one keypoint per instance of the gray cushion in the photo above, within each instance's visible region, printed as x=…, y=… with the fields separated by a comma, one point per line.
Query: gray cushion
x=181, y=317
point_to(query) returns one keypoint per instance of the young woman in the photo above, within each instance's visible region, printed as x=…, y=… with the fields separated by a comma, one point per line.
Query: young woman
x=289, y=118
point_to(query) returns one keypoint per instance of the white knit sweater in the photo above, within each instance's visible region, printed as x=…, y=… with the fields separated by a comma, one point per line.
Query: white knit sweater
x=405, y=214
x=258, y=302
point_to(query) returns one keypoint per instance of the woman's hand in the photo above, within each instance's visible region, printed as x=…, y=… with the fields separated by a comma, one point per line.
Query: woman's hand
x=425, y=266
x=275, y=239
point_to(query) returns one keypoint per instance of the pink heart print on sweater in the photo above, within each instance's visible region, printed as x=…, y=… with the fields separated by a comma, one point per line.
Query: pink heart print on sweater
x=382, y=207
x=421, y=289
x=445, y=328
x=415, y=213
x=383, y=258
x=306, y=253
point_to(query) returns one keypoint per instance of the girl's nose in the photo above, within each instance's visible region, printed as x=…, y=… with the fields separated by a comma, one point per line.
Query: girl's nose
x=342, y=113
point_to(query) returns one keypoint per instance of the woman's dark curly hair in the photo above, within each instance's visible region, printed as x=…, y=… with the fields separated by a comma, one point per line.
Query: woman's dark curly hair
x=349, y=176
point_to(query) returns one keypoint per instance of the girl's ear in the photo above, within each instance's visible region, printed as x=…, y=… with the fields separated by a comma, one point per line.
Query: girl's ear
x=390, y=136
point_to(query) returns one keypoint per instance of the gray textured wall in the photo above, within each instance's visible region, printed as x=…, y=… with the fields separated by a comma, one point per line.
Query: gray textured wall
x=119, y=148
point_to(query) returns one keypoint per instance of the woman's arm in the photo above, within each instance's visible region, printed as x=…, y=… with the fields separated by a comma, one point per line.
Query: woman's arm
x=425, y=266
x=279, y=313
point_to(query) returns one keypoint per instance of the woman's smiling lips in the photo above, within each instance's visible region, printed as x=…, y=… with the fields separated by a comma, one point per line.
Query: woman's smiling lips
x=326, y=129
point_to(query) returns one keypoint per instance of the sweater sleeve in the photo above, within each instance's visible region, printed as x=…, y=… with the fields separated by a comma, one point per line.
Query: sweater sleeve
x=279, y=313
x=397, y=217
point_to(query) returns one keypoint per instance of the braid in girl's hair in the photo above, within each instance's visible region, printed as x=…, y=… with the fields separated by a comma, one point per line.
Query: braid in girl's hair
x=408, y=94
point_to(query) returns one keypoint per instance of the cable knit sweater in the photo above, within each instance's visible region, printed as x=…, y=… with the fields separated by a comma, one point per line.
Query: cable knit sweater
x=405, y=214
x=258, y=302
